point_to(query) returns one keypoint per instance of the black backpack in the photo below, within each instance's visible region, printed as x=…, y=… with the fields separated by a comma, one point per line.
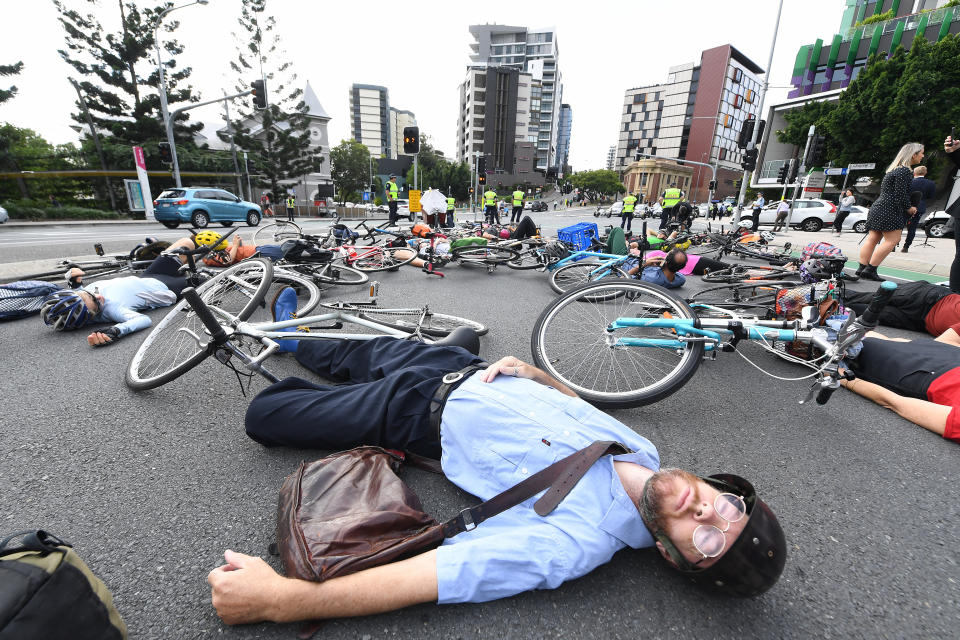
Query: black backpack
x=47, y=591
x=23, y=298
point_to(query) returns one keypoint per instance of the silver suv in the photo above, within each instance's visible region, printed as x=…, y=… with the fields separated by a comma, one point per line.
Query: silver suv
x=808, y=214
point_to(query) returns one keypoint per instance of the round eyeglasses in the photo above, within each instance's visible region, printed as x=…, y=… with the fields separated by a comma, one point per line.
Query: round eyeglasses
x=709, y=540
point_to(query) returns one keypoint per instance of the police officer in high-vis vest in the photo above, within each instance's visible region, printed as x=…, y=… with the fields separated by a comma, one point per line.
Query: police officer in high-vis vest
x=669, y=200
x=517, y=205
x=626, y=214
x=491, y=215
x=291, y=207
x=393, y=192
x=451, y=205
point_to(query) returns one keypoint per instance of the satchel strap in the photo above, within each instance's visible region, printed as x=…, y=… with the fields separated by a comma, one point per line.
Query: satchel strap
x=560, y=477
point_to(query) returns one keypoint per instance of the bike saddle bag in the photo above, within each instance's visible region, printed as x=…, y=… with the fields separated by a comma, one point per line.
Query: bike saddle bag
x=297, y=250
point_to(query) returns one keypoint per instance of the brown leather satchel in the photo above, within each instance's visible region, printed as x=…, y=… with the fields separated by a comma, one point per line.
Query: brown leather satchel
x=351, y=511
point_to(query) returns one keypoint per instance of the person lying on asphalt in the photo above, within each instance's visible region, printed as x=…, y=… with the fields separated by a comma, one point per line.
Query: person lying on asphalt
x=500, y=423
x=918, y=306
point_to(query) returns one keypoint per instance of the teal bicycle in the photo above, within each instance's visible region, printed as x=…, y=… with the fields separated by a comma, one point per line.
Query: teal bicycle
x=626, y=343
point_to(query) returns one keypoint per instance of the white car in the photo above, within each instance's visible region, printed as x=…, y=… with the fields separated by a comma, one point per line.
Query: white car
x=403, y=209
x=4, y=216
x=938, y=225
x=809, y=214
x=857, y=220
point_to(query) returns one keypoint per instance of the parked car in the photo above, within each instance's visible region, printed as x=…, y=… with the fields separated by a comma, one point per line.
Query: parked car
x=857, y=220
x=4, y=216
x=403, y=209
x=939, y=224
x=538, y=205
x=615, y=209
x=201, y=206
x=809, y=214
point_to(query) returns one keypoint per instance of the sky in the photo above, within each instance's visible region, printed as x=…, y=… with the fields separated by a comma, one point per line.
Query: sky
x=419, y=50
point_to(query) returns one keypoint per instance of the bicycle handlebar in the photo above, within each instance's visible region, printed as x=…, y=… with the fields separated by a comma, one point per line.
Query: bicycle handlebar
x=217, y=334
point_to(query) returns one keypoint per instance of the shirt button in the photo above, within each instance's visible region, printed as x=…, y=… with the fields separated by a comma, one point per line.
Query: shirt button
x=524, y=470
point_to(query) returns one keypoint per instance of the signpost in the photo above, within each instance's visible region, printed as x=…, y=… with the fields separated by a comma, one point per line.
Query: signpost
x=862, y=166
x=144, y=182
x=836, y=171
x=414, y=197
x=813, y=188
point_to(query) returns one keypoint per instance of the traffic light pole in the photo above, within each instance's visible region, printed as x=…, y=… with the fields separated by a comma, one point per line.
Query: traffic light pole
x=803, y=165
x=233, y=148
x=173, y=116
x=756, y=129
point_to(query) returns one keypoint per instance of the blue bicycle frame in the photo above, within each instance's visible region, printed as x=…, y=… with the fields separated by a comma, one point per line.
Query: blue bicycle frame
x=714, y=331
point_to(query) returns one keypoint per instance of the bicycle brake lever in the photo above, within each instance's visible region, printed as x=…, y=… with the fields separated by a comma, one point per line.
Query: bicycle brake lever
x=813, y=392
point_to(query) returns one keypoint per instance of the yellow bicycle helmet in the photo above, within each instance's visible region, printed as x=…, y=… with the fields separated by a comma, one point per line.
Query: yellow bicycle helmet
x=208, y=238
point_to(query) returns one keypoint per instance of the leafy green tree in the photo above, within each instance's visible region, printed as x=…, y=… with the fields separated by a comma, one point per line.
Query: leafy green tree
x=349, y=168
x=26, y=150
x=278, y=137
x=9, y=70
x=597, y=182
x=799, y=121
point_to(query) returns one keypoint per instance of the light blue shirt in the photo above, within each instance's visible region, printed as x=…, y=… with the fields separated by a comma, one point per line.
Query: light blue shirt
x=654, y=275
x=494, y=435
x=124, y=297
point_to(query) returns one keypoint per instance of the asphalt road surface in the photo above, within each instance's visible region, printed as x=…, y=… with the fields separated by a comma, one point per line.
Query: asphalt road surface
x=151, y=488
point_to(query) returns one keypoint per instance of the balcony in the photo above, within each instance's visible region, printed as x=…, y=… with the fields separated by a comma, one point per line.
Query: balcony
x=889, y=26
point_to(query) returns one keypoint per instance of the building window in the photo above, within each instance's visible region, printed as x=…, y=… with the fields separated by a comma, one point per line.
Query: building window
x=727, y=120
x=737, y=101
x=749, y=96
x=737, y=75
x=638, y=98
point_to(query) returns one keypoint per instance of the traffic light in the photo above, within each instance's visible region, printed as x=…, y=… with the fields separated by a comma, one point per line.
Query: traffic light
x=746, y=132
x=815, y=153
x=165, y=154
x=259, y=92
x=782, y=173
x=481, y=178
x=482, y=164
x=471, y=189
x=411, y=140
x=712, y=186
x=749, y=160
x=792, y=172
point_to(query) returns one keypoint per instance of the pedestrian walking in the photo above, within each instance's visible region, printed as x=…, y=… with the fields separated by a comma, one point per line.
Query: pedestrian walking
x=783, y=212
x=291, y=207
x=518, y=196
x=265, y=205
x=757, y=207
x=927, y=189
x=846, y=206
x=890, y=213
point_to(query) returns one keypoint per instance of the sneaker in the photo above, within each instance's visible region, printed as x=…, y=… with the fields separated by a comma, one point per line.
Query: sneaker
x=904, y=250
x=284, y=307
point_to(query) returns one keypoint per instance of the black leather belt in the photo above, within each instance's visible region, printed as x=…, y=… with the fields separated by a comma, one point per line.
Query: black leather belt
x=448, y=383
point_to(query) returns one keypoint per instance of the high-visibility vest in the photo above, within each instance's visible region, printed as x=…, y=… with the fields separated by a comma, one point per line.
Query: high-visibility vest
x=490, y=198
x=518, y=198
x=393, y=191
x=291, y=202
x=672, y=196
x=451, y=204
x=628, y=203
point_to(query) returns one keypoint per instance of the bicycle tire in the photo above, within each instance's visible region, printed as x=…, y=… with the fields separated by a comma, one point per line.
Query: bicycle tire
x=573, y=275
x=169, y=351
x=741, y=273
x=490, y=254
x=336, y=273
x=533, y=258
x=754, y=298
x=383, y=259
x=436, y=325
x=276, y=232
x=308, y=293
x=572, y=343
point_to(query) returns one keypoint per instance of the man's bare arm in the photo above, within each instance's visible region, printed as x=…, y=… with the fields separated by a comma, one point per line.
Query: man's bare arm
x=949, y=337
x=517, y=368
x=247, y=590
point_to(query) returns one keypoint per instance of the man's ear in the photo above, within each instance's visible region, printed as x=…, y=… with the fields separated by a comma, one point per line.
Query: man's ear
x=666, y=556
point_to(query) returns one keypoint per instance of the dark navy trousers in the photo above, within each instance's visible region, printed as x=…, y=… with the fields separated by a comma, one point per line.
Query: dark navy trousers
x=384, y=401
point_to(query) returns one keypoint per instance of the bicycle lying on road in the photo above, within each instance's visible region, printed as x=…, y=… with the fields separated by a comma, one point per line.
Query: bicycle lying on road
x=213, y=320
x=625, y=343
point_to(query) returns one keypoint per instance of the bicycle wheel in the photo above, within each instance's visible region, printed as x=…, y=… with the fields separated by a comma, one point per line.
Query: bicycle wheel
x=485, y=255
x=382, y=259
x=573, y=275
x=434, y=324
x=336, y=273
x=741, y=273
x=169, y=350
x=529, y=259
x=308, y=293
x=276, y=232
x=754, y=298
x=571, y=342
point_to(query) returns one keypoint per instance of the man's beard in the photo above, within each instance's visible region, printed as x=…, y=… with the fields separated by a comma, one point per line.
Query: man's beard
x=656, y=490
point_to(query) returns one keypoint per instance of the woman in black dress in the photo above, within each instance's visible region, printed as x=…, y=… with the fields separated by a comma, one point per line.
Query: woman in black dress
x=890, y=213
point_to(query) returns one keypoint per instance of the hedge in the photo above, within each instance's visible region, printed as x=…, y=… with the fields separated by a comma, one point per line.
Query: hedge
x=22, y=210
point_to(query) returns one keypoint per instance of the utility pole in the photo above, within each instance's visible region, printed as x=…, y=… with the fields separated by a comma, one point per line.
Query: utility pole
x=756, y=128
x=233, y=147
x=803, y=166
x=96, y=142
x=246, y=166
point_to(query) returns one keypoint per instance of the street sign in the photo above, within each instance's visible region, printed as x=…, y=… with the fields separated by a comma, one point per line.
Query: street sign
x=366, y=196
x=144, y=182
x=414, y=201
x=836, y=171
x=863, y=165
x=813, y=188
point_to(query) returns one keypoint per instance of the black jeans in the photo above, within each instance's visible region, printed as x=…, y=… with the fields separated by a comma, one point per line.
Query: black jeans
x=841, y=216
x=384, y=401
x=756, y=219
x=626, y=218
x=166, y=269
x=392, y=206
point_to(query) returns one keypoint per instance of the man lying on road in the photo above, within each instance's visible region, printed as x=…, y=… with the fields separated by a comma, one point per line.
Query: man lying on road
x=918, y=306
x=499, y=424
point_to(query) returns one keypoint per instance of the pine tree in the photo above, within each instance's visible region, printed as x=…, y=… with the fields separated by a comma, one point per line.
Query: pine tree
x=9, y=70
x=279, y=138
x=119, y=78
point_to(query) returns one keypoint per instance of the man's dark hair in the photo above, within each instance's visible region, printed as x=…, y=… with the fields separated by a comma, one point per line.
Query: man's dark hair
x=675, y=260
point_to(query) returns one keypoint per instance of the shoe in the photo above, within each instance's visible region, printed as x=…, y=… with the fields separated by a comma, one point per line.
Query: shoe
x=284, y=307
x=905, y=250
x=859, y=270
x=870, y=273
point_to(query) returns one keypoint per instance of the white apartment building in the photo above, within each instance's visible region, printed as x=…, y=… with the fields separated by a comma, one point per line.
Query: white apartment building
x=374, y=123
x=494, y=114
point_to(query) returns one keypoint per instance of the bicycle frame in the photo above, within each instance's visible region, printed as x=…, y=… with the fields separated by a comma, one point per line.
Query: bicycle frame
x=612, y=260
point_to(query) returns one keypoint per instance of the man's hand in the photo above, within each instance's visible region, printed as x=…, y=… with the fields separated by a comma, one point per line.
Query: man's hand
x=246, y=589
x=517, y=368
x=912, y=211
x=74, y=277
x=103, y=338
x=950, y=145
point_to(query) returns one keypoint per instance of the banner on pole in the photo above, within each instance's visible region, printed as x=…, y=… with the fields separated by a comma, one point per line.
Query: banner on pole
x=139, y=159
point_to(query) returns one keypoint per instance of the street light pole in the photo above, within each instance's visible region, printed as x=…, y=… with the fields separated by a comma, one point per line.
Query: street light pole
x=168, y=123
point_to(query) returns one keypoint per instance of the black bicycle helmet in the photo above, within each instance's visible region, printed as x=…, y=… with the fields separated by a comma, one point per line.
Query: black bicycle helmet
x=754, y=562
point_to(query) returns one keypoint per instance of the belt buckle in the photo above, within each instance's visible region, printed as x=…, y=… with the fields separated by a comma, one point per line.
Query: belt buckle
x=467, y=518
x=450, y=378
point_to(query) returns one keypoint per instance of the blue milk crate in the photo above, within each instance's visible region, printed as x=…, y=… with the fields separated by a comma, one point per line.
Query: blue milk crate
x=579, y=235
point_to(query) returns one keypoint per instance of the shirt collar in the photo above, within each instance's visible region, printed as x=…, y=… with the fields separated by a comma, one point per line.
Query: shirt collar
x=622, y=519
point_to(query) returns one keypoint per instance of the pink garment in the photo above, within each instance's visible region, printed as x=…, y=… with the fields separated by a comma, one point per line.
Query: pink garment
x=687, y=268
